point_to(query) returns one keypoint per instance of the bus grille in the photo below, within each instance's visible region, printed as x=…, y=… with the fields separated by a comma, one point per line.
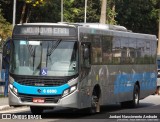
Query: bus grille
x=48, y=99
x=42, y=82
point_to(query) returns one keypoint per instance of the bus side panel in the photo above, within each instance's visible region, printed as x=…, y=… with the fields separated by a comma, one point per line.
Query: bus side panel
x=117, y=82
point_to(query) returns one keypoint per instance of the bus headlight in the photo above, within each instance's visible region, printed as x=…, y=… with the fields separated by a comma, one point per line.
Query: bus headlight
x=15, y=90
x=73, y=88
x=11, y=86
x=70, y=90
x=11, y=80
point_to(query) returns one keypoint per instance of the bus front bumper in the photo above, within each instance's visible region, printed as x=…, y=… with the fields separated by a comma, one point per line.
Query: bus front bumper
x=70, y=101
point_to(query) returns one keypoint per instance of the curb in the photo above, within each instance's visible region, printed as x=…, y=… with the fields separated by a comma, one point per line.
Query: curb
x=5, y=107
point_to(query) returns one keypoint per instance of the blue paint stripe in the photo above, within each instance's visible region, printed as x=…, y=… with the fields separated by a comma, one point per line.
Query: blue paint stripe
x=33, y=90
x=125, y=82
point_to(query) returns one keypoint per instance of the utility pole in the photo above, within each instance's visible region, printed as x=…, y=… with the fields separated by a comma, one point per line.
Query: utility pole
x=61, y=10
x=85, y=12
x=14, y=13
x=103, y=12
x=158, y=52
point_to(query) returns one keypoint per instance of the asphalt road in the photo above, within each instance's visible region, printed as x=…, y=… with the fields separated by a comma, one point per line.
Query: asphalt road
x=149, y=110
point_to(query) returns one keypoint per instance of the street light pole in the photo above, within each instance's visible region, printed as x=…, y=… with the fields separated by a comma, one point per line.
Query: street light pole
x=85, y=11
x=159, y=36
x=14, y=13
x=61, y=10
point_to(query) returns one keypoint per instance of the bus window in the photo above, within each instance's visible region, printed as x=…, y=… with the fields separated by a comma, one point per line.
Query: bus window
x=96, y=50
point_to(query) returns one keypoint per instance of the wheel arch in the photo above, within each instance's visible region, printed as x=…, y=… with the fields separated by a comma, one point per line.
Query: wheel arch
x=138, y=84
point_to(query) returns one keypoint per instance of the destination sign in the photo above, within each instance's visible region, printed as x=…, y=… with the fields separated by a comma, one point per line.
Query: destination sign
x=50, y=31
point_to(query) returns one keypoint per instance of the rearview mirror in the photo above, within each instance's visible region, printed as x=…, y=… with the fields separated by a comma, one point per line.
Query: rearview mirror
x=86, y=53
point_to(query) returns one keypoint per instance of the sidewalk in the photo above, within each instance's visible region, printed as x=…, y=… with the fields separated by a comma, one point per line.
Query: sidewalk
x=4, y=103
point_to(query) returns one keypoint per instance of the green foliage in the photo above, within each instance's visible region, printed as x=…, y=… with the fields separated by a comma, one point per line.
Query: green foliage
x=49, y=12
x=110, y=14
x=137, y=15
x=74, y=10
x=5, y=28
x=35, y=2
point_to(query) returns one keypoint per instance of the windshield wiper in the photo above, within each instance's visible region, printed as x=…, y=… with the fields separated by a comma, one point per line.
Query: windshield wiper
x=51, y=50
x=54, y=46
x=32, y=52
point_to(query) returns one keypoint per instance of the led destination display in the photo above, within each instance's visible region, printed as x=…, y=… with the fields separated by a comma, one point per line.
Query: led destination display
x=44, y=30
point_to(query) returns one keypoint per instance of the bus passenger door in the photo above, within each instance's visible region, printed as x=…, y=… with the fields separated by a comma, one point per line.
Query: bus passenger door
x=85, y=58
x=85, y=66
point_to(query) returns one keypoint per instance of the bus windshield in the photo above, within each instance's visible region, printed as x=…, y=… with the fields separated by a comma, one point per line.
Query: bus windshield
x=44, y=58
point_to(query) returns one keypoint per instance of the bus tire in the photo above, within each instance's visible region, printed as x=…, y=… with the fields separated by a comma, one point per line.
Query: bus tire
x=135, y=102
x=36, y=109
x=136, y=93
x=95, y=105
x=158, y=90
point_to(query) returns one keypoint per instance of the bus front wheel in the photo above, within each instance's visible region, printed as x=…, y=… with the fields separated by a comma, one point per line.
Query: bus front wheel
x=95, y=105
x=158, y=90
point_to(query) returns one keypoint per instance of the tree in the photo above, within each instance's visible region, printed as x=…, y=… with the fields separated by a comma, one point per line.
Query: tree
x=5, y=29
x=49, y=12
x=111, y=12
x=26, y=10
x=103, y=12
x=74, y=10
x=137, y=15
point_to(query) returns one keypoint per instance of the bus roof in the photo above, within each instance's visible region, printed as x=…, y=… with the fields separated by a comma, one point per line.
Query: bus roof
x=46, y=24
x=92, y=25
x=104, y=26
x=113, y=30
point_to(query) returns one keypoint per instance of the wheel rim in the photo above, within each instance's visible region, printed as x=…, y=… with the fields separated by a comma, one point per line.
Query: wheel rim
x=94, y=101
x=94, y=104
x=136, y=98
x=159, y=90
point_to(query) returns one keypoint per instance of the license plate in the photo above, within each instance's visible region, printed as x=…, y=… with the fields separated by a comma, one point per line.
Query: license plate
x=38, y=100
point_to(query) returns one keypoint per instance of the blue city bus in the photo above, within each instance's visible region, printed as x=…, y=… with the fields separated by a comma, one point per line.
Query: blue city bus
x=78, y=66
